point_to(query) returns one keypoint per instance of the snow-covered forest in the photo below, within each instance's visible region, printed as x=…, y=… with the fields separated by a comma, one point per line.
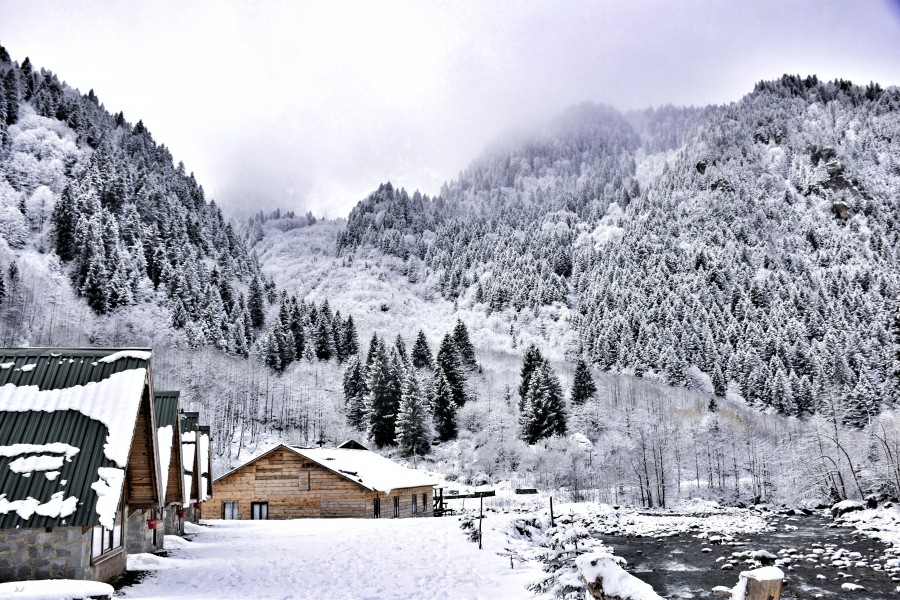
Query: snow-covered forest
x=628, y=308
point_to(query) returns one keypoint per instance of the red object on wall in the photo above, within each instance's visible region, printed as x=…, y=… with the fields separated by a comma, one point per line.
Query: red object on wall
x=180, y=512
x=152, y=523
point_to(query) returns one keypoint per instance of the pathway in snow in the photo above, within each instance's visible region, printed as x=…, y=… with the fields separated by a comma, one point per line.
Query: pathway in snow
x=330, y=558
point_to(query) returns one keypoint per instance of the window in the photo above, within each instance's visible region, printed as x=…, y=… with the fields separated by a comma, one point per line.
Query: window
x=415, y=500
x=425, y=501
x=104, y=541
x=376, y=507
x=396, y=506
x=230, y=510
x=259, y=511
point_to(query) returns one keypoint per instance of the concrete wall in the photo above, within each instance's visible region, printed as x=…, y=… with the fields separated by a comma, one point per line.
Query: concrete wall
x=62, y=553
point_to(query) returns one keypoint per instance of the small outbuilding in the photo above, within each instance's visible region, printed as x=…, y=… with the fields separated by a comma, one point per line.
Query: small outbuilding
x=290, y=482
x=80, y=479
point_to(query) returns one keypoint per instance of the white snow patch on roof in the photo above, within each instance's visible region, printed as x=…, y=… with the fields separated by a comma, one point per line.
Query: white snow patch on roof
x=165, y=434
x=109, y=489
x=54, y=448
x=7, y=365
x=137, y=354
x=27, y=368
x=366, y=468
x=51, y=475
x=42, y=462
x=113, y=401
x=58, y=506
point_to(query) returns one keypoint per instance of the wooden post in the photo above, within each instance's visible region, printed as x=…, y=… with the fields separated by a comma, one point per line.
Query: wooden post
x=480, y=518
x=763, y=590
x=552, y=521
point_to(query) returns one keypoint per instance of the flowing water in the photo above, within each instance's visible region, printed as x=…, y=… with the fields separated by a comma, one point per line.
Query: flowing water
x=678, y=566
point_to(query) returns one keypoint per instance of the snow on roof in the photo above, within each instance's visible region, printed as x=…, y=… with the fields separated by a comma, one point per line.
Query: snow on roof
x=137, y=354
x=164, y=435
x=113, y=401
x=370, y=470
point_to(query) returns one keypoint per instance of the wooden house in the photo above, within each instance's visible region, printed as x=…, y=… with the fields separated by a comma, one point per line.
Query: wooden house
x=290, y=482
x=80, y=479
x=168, y=427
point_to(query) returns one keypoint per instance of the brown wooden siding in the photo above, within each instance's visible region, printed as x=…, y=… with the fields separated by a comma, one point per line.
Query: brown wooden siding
x=296, y=488
x=175, y=481
x=142, y=464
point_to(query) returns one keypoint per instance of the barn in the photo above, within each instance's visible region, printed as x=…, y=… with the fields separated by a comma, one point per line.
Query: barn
x=80, y=479
x=290, y=482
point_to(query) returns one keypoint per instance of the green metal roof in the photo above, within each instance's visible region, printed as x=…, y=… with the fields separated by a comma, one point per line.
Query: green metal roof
x=166, y=407
x=56, y=368
x=190, y=421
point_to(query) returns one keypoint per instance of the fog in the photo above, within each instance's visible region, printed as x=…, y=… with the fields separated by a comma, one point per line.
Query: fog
x=310, y=105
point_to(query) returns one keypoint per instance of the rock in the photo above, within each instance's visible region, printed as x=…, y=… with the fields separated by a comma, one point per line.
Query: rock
x=841, y=211
x=727, y=567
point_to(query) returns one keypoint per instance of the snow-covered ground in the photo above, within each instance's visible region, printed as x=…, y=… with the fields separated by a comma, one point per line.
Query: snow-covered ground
x=330, y=558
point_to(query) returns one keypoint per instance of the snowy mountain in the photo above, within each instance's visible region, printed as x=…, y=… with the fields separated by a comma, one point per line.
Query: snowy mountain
x=705, y=268
x=749, y=249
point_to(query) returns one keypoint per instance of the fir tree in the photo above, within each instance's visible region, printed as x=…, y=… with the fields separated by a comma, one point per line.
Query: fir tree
x=324, y=339
x=861, y=403
x=381, y=400
x=400, y=347
x=355, y=394
x=718, y=381
x=464, y=346
x=583, y=386
x=531, y=361
x=413, y=431
x=349, y=338
x=443, y=407
x=256, y=305
x=421, y=353
x=448, y=361
x=544, y=411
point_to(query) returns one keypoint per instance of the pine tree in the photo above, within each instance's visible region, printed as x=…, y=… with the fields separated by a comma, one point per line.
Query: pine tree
x=382, y=400
x=544, y=411
x=896, y=331
x=11, y=83
x=400, y=347
x=324, y=339
x=355, y=394
x=349, y=338
x=861, y=403
x=464, y=346
x=718, y=381
x=443, y=407
x=256, y=304
x=448, y=361
x=421, y=353
x=583, y=386
x=531, y=361
x=413, y=431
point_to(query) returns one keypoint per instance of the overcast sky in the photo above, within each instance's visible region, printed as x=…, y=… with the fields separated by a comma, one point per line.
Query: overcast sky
x=304, y=104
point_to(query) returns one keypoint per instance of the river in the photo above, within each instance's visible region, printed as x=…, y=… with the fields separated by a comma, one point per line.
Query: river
x=678, y=566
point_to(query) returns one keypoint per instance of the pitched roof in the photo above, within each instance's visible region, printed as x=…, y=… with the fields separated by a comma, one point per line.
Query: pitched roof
x=168, y=426
x=366, y=468
x=189, y=436
x=67, y=418
x=352, y=445
x=204, y=458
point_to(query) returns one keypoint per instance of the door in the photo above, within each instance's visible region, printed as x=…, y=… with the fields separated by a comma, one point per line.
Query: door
x=396, y=506
x=376, y=507
x=259, y=511
x=230, y=510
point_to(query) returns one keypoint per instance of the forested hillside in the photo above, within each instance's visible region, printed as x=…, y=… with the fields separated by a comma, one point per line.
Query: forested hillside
x=749, y=249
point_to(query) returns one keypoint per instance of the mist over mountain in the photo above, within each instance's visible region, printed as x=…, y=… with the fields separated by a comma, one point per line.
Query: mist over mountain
x=749, y=249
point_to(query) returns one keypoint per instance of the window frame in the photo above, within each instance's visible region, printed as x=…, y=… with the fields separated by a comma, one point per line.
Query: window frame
x=397, y=506
x=111, y=540
x=234, y=505
x=260, y=506
x=415, y=504
x=376, y=508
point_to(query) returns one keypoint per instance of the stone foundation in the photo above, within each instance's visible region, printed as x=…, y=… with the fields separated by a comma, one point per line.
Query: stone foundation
x=61, y=553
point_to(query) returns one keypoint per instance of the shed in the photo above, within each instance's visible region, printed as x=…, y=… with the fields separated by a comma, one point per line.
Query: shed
x=79, y=462
x=292, y=482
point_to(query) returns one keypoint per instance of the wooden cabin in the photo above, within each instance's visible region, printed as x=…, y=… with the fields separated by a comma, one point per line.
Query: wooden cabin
x=289, y=482
x=80, y=480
